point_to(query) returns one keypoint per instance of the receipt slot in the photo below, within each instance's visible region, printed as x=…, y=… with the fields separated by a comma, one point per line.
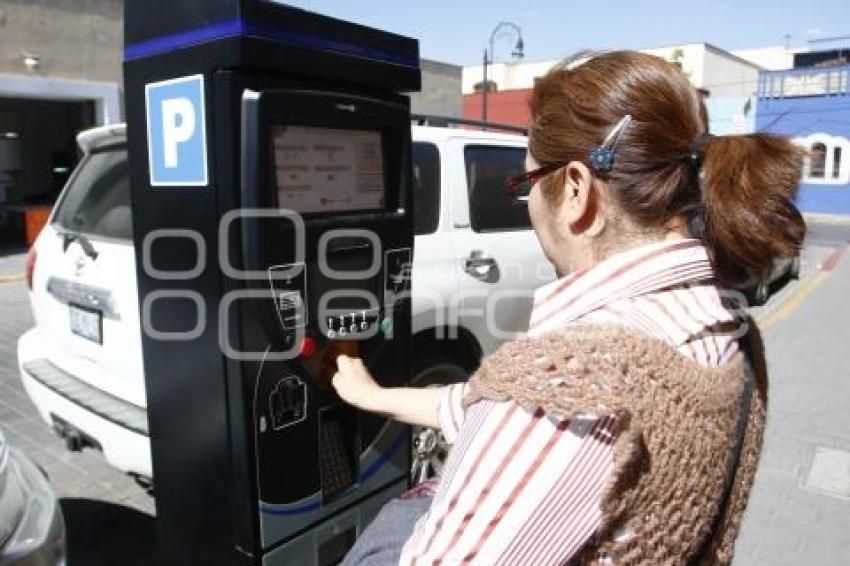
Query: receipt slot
x=271, y=192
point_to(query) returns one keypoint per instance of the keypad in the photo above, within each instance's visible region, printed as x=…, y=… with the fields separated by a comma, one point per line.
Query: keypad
x=351, y=325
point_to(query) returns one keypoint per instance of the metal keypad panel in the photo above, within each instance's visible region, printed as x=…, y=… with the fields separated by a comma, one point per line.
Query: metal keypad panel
x=353, y=325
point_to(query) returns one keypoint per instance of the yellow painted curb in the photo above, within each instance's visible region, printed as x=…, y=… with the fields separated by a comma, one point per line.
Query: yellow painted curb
x=793, y=302
x=11, y=278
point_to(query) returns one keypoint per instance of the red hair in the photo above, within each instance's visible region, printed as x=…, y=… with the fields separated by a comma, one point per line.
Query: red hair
x=745, y=198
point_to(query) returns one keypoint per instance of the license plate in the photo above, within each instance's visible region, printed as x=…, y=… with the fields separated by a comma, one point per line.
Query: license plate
x=87, y=323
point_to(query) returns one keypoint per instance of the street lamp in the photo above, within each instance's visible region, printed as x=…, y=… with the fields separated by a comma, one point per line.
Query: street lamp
x=488, y=57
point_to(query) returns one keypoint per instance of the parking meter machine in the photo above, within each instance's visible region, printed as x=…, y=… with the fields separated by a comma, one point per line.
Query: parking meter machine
x=270, y=170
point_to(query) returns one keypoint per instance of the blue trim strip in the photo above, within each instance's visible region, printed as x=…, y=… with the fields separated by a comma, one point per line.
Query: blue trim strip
x=306, y=508
x=158, y=45
x=238, y=26
x=383, y=460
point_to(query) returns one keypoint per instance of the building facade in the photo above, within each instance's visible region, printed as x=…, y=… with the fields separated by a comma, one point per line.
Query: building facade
x=63, y=50
x=440, y=94
x=812, y=106
x=61, y=72
x=797, y=92
x=728, y=81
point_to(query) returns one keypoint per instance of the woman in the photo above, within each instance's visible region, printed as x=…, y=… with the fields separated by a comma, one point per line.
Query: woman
x=626, y=427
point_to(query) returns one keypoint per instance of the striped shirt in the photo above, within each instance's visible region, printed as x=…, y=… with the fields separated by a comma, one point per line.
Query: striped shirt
x=520, y=487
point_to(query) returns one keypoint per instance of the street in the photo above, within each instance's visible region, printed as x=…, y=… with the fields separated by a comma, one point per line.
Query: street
x=823, y=233
x=108, y=517
x=800, y=507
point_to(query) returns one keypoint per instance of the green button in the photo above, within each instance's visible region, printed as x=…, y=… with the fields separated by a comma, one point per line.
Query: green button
x=387, y=325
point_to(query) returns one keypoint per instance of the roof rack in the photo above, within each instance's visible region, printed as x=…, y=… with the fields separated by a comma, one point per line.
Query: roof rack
x=448, y=121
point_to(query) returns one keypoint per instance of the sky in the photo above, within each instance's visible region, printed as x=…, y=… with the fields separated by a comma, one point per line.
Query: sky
x=457, y=31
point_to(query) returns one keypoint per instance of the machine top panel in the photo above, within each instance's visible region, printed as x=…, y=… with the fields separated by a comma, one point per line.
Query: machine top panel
x=192, y=23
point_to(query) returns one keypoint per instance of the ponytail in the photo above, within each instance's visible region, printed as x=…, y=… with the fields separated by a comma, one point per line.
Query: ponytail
x=749, y=185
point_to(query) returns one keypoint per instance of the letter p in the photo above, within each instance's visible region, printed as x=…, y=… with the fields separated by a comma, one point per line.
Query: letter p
x=178, y=126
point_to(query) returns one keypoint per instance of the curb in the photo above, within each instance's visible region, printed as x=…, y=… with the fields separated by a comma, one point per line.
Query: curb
x=833, y=219
x=833, y=259
x=806, y=287
x=791, y=303
x=11, y=278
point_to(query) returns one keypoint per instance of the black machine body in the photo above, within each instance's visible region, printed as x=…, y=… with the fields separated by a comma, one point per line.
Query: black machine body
x=292, y=246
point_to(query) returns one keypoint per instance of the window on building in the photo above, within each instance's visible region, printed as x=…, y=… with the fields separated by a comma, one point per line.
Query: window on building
x=426, y=187
x=491, y=206
x=836, y=162
x=817, y=161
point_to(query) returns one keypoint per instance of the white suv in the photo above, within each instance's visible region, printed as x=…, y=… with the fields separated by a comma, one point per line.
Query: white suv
x=82, y=362
x=476, y=264
x=476, y=260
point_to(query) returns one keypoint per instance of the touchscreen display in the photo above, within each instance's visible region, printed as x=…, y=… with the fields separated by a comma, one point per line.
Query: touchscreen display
x=327, y=170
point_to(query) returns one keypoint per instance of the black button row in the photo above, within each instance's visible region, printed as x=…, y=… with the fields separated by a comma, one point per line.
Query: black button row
x=351, y=324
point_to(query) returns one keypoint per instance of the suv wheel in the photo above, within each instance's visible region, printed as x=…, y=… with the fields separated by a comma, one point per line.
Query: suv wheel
x=761, y=293
x=794, y=268
x=429, y=447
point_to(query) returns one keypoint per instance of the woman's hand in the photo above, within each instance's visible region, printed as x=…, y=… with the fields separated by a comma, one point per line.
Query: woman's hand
x=412, y=405
x=354, y=384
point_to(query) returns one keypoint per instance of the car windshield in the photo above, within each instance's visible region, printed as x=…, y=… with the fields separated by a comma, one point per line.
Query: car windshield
x=97, y=199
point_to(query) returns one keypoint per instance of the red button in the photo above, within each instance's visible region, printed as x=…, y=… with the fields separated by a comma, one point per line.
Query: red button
x=308, y=347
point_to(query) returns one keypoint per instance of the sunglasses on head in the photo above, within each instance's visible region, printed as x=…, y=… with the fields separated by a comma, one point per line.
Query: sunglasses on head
x=522, y=183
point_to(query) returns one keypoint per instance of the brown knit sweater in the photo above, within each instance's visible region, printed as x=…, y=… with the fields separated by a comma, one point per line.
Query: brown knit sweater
x=675, y=444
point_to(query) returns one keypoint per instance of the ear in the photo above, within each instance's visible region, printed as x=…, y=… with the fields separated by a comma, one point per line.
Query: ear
x=580, y=208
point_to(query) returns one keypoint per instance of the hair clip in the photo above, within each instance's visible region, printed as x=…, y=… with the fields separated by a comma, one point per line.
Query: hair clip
x=601, y=158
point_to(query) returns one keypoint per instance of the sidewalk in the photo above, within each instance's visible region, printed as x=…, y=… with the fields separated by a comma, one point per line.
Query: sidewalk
x=12, y=260
x=799, y=513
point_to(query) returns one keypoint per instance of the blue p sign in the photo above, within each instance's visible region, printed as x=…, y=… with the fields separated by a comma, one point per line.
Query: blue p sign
x=177, y=146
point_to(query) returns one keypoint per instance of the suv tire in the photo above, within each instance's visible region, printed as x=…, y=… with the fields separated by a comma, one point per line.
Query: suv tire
x=760, y=293
x=429, y=448
x=794, y=268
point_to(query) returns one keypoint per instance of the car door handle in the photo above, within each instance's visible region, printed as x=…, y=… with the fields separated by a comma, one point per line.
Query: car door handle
x=481, y=266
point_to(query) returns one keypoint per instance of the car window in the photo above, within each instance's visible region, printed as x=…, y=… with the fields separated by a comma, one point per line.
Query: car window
x=491, y=206
x=426, y=187
x=97, y=199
